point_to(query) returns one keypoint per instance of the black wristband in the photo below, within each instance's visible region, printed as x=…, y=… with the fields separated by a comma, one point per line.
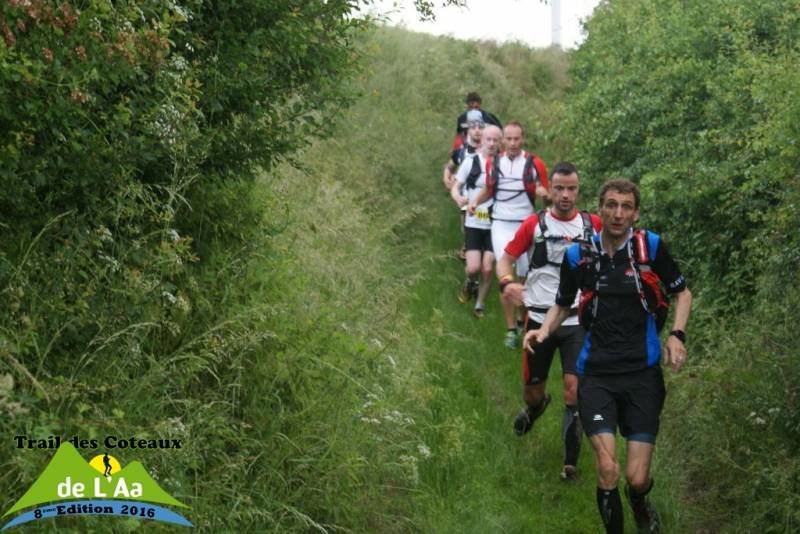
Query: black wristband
x=680, y=334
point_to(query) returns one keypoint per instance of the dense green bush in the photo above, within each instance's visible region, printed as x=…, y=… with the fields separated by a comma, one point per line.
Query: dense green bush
x=130, y=137
x=697, y=101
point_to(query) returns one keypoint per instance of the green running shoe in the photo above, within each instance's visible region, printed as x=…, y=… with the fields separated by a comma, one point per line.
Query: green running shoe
x=511, y=340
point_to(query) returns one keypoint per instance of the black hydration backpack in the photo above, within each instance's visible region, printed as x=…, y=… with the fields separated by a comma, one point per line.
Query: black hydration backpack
x=474, y=172
x=539, y=257
x=654, y=299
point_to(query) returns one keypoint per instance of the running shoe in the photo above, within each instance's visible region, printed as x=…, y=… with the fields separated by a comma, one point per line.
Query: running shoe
x=478, y=312
x=473, y=288
x=520, y=326
x=511, y=340
x=525, y=418
x=464, y=295
x=646, y=517
x=569, y=473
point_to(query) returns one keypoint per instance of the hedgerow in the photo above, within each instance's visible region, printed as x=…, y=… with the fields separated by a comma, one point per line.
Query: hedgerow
x=697, y=102
x=131, y=135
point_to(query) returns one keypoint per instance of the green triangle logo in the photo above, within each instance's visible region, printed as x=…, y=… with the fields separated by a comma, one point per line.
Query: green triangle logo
x=68, y=477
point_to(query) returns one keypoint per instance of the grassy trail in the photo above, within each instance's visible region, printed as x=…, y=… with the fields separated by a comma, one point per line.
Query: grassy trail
x=464, y=470
x=480, y=477
x=485, y=479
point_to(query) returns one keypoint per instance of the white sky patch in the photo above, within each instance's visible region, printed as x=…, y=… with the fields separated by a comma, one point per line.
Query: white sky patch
x=527, y=21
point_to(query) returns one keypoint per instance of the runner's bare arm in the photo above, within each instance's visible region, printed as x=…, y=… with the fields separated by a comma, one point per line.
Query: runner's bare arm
x=483, y=196
x=674, y=349
x=555, y=316
x=455, y=193
x=512, y=292
x=448, y=176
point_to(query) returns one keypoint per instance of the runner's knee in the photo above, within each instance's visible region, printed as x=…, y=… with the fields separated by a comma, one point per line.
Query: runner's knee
x=533, y=395
x=638, y=479
x=607, y=470
x=570, y=389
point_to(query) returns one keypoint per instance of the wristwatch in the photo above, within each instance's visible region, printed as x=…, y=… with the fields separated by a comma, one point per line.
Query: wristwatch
x=680, y=334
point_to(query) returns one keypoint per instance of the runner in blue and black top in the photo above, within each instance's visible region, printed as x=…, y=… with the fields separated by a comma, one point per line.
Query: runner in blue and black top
x=623, y=338
x=620, y=275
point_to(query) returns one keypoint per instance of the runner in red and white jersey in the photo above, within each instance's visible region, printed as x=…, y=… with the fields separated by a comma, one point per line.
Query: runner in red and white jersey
x=516, y=179
x=542, y=241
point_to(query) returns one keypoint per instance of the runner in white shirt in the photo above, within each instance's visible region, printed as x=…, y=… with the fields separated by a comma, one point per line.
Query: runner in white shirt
x=471, y=178
x=472, y=139
x=516, y=178
x=542, y=240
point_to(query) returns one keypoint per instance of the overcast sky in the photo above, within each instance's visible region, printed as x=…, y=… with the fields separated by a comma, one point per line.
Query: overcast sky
x=528, y=21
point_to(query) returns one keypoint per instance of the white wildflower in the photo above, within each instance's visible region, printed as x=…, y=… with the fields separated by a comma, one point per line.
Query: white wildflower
x=176, y=425
x=424, y=451
x=182, y=12
x=182, y=303
x=105, y=234
x=370, y=420
x=179, y=63
x=111, y=261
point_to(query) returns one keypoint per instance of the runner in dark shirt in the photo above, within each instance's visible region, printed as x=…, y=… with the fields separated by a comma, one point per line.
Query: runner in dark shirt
x=620, y=379
x=473, y=102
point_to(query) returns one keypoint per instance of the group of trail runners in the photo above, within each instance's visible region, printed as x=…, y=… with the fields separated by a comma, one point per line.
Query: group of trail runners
x=592, y=286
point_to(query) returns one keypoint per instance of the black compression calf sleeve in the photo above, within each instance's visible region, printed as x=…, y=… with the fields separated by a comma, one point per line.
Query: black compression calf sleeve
x=610, y=507
x=638, y=498
x=571, y=432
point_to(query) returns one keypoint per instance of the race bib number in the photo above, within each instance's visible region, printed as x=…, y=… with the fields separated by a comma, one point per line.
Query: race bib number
x=482, y=215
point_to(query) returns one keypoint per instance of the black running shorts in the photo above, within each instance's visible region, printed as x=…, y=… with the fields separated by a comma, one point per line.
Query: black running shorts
x=632, y=401
x=478, y=239
x=536, y=365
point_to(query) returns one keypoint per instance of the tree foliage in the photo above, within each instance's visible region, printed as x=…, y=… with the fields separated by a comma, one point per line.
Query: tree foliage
x=691, y=99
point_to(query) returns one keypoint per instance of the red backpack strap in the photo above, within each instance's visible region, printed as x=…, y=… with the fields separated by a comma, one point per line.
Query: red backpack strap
x=653, y=298
x=541, y=170
x=534, y=174
x=530, y=177
x=491, y=176
x=640, y=247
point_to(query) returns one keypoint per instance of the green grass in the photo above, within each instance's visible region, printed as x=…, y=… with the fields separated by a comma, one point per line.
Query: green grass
x=481, y=477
